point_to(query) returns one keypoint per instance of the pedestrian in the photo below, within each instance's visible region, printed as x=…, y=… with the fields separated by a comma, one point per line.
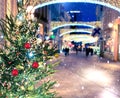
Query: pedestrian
x=91, y=50
x=76, y=49
x=87, y=51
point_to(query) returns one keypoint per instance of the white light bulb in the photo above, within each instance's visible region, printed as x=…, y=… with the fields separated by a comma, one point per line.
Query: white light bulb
x=30, y=55
x=110, y=25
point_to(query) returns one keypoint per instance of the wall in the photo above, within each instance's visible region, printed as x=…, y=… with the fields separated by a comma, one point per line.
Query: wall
x=2, y=8
x=110, y=34
x=6, y=7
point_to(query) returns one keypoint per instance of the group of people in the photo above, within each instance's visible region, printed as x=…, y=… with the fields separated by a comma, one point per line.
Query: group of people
x=66, y=51
x=78, y=48
x=89, y=51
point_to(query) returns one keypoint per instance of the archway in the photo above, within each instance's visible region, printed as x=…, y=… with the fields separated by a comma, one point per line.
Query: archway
x=74, y=24
x=107, y=3
x=83, y=31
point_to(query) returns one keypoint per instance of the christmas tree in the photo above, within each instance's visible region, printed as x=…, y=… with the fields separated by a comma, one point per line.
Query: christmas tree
x=23, y=58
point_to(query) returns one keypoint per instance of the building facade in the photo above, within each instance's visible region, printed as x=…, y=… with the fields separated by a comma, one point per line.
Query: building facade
x=110, y=34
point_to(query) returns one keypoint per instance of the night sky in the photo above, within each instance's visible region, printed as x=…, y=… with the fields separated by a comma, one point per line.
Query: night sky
x=87, y=11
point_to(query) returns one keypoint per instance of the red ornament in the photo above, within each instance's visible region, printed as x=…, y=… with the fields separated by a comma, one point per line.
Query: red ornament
x=35, y=65
x=27, y=45
x=14, y=72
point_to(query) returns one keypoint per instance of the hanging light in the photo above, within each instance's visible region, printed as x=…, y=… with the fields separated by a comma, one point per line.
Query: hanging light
x=110, y=25
x=30, y=11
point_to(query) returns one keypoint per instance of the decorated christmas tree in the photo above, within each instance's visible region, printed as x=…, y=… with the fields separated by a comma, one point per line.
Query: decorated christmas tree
x=23, y=69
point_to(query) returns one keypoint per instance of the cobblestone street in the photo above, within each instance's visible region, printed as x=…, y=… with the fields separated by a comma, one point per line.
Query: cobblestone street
x=79, y=76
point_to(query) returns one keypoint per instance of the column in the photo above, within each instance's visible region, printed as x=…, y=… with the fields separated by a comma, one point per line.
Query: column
x=116, y=41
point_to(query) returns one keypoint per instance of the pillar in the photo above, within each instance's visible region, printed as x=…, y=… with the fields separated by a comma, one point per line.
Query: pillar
x=115, y=35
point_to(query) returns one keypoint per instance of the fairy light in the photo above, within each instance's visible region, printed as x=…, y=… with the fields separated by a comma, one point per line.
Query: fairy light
x=110, y=25
x=30, y=12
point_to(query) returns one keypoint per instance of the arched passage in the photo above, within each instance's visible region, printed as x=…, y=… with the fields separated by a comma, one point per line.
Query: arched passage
x=107, y=3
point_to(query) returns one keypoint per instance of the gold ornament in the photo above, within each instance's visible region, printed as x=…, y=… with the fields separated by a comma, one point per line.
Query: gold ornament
x=56, y=55
x=19, y=67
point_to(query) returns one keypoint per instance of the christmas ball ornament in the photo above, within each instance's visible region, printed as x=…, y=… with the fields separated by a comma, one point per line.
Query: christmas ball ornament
x=14, y=72
x=27, y=45
x=56, y=55
x=35, y=65
x=19, y=67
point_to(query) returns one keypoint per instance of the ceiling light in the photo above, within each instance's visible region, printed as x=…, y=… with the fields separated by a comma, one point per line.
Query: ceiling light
x=74, y=11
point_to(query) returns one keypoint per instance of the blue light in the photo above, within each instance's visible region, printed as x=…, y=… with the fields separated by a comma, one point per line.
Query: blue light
x=30, y=55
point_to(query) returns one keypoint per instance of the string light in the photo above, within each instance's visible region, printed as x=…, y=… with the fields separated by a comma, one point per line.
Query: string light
x=30, y=54
x=110, y=25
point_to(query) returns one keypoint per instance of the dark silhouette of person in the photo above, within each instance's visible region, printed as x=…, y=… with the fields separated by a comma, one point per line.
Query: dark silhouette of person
x=66, y=51
x=87, y=51
x=76, y=49
x=91, y=50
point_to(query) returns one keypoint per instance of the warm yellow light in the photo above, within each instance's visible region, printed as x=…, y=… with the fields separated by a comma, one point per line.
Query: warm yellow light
x=110, y=25
x=30, y=9
x=30, y=12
